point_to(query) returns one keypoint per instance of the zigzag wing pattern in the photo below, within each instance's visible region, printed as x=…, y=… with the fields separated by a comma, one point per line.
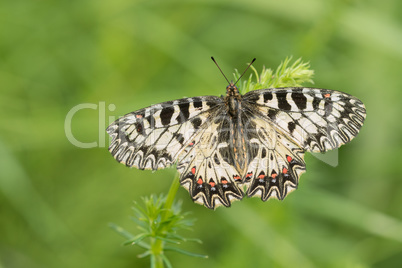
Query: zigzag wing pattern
x=207, y=165
x=316, y=119
x=153, y=137
x=276, y=162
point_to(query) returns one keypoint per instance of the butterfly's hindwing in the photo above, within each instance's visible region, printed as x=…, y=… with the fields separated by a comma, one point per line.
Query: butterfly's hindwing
x=317, y=119
x=151, y=138
x=275, y=161
x=207, y=167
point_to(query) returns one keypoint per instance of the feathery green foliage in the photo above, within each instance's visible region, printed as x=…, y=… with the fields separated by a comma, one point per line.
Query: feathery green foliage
x=284, y=76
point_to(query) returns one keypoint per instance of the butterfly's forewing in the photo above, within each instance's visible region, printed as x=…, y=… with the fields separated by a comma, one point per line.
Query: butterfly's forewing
x=153, y=137
x=316, y=119
x=285, y=122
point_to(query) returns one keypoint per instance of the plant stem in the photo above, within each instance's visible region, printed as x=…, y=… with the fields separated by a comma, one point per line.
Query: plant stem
x=157, y=244
x=171, y=194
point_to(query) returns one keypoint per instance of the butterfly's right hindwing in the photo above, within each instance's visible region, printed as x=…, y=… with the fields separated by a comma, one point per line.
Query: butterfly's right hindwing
x=152, y=138
x=275, y=162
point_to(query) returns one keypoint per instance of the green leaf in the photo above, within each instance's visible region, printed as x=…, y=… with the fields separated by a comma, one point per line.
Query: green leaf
x=136, y=239
x=145, y=254
x=182, y=251
x=166, y=261
x=121, y=231
x=167, y=240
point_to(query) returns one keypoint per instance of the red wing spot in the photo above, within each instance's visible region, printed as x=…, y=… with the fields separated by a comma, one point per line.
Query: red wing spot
x=193, y=170
x=327, y=95
x=236, y=177
x=261, y=176
x=273, y=175
x=284, y=170
x=138, y=116
x=199, y=181
x=224, y=181
x=249, y=175
x=212, y=183
x=289, y=158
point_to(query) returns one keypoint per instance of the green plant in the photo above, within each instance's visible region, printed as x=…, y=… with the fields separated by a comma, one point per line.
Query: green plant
x=159, y=220
x=284, y=76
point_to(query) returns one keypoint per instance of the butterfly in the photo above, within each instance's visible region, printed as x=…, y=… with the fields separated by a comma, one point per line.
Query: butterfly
x=237, y=145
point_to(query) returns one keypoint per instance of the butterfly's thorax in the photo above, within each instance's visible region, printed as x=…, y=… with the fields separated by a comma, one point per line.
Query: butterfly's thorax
x=232, y=100
x=233, y=103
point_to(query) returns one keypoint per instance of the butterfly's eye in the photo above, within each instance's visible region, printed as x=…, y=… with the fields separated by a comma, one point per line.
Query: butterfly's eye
x=231, y=88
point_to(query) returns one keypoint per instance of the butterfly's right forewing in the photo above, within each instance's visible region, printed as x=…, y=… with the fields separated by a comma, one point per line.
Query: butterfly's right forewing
x=317, y=119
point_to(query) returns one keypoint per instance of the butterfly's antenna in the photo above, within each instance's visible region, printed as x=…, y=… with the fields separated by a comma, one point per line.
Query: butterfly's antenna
x=245, y=70
x=220, y=69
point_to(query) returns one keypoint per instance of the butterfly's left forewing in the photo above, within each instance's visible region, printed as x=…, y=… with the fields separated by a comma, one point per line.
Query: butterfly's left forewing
x=153, y=137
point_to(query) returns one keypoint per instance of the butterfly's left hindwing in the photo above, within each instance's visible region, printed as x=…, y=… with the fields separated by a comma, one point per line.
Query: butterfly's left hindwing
x=207, y=166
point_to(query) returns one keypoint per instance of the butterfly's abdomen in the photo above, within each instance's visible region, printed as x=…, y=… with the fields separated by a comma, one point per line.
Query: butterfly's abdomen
x=237, y=142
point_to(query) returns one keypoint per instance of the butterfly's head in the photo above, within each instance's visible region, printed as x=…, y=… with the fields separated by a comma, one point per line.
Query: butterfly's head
x=231, y=89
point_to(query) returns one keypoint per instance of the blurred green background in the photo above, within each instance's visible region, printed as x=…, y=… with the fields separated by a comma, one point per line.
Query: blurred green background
x=56, y=199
